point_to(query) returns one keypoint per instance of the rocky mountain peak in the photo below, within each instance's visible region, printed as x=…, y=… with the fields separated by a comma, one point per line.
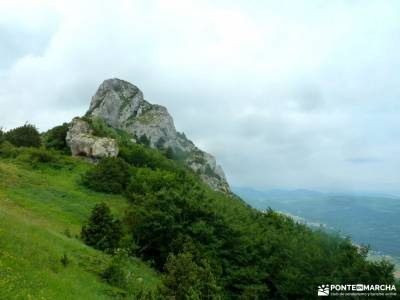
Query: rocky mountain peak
x=115, y=101
x=122, y=105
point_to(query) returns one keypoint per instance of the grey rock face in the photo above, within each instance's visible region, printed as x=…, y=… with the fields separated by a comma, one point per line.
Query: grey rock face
x=83, y=143
x=121, y=105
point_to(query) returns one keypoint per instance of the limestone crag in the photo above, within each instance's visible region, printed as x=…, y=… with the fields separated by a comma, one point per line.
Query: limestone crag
x=122, y=105
x=83, y=143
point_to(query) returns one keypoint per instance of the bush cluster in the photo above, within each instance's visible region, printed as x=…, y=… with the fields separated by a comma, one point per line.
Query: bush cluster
x=186, y=278
x=37, y=156
x=116, y=273
x=8, y=150
x=55, y=138
x=207, y=244
x=2, y=138
x=31, y=156
x=213, y=246
x=102, y=231
x=110, y=175
x=24, y=136
x=25, y=142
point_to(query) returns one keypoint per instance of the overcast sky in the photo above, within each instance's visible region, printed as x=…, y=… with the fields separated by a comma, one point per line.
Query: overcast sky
x=286, y=94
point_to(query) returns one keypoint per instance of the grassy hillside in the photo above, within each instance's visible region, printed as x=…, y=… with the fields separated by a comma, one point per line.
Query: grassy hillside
x=41, y=213
x=200, y=244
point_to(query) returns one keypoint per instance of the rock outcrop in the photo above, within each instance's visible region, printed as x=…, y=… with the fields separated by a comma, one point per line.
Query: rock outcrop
x=121, y=105
x=83, y=143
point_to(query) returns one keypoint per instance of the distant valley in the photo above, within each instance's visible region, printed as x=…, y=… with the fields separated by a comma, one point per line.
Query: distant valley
x=368, y=220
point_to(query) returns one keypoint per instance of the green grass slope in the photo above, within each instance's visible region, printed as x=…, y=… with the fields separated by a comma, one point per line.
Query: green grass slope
x=41, y=212
x=204, y=244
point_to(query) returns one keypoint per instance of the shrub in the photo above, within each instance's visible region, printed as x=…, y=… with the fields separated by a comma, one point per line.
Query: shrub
x=67, y=233
x=145, y=181
x=160, y=143
x=41, y=155
x=119, y=274
x=116, y=273
x=211, y=173
x=55, y=138
x=100, y=128
x=136, y=155
x=144, y=140
x=102, y=231
x=24, y=136
x=34, y=157
x=110, y=175
x=142, y=156
x=187, y=279
x=7, y=150
x=169, y=153
x=65, y=260
x=1, y=136
x=180, y=155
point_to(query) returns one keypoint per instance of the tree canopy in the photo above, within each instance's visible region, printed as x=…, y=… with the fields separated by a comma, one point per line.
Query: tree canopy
x=234, y=252
x=24, y=136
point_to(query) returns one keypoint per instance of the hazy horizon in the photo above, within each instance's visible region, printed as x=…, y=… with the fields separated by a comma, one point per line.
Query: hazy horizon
x=286, y=95
x=360, y=193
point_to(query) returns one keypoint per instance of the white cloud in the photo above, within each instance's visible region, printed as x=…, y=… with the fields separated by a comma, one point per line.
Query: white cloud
x=287, y=94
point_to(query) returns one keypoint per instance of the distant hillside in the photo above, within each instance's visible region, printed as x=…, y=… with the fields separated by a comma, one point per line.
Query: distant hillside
x=369, y=220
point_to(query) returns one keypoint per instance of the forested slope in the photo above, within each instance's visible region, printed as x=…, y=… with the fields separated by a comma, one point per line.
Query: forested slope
x=169, y=235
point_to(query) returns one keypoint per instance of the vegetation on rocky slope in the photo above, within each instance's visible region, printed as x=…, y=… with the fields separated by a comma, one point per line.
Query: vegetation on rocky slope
x=178, y=239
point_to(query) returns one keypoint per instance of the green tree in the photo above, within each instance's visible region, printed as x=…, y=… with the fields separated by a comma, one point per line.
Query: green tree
x=24, y=136
x=116, y=272
x=169, y=153
x=1, y=135
x=110, y=175
x=142, y=156
x=8, y=150
x=102, y=231
x=185, y=279
x=55, y=138
x=252, y=255
x=144, y=140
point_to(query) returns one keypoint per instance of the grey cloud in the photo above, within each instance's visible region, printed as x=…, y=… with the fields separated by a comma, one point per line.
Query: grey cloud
x=18, y=42
x=310, y=99
x=304, y=97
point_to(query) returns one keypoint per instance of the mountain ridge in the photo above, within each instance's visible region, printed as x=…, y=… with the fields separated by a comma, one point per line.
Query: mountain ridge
x=121, y=105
